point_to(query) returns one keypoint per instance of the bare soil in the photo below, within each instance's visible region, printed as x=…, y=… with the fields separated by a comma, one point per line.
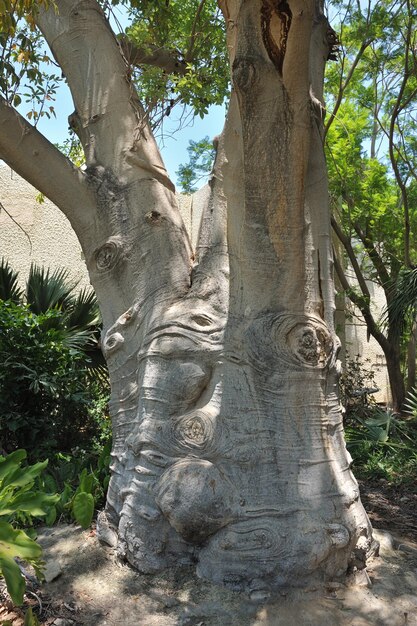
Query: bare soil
x=95, y=589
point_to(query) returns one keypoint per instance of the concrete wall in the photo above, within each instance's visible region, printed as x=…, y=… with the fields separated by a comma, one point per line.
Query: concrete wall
x=49, y=240
x=40, y=233
x=358, y=343
x=33, y=232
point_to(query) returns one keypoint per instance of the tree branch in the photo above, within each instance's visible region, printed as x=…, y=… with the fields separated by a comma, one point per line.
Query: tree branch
x=34, y=158
x=344, y=86
x=391, y=145
x=163, y=58
x=377, y=262
x=109, y=118
x=345, y=241
x=193, y=35
x=358, y=301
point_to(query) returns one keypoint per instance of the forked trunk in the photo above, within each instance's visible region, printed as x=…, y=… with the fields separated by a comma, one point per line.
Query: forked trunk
x=228, y=439
x=229, y=447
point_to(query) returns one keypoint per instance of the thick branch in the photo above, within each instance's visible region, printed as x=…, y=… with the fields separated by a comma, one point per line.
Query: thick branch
x=163, y=58
x=377, y=262
x=34, y=158
x=109, y=118
x=297, y=51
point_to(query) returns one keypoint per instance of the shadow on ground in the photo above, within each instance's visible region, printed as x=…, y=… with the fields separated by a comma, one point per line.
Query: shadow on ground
x=94, y=589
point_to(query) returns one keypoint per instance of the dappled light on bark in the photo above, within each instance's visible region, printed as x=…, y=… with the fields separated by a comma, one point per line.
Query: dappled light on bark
x=228, y=445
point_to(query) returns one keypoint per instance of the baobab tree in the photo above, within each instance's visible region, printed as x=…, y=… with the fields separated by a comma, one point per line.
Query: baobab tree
x=228, y=446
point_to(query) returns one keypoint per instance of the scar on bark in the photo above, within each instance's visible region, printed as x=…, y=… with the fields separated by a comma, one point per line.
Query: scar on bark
x=154, y=217
x=275, y=25
x=333, y=42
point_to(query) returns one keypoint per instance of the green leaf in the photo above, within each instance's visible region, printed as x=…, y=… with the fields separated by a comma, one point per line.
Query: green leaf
x=14, y=580
x=11, y=462
x=17, y=543
x=83, y=509
x=51, y=516
x=383, y=437
x=34, y=503
x=86, y=482
x=65, y=496
x=380, y=420
x=30, y=619
x=24, y=476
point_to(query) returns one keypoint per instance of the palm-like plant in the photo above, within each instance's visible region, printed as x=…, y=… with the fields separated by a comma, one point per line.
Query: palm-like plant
x=402, y=308
x=9, y=283
x=79, y=318
x=400, y=315
x=48, y=290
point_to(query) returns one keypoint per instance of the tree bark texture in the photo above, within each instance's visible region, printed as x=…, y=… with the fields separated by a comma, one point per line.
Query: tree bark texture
x=228, y=441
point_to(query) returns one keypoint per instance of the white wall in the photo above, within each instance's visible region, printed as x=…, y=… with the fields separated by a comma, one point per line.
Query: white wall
x=33, y=232
x=357, y=341
x=40, y=233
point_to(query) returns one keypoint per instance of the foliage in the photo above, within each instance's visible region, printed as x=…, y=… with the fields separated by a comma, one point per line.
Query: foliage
x=46, y=388
x=9, y=285
x=81, y=478
x=20, y=500
x=410, y=404
x=30, y=618
x=201, y=157
x=383, y=445
x=73, y=149
x=25, y=76
x=402, y=308
x=371, y=154
x=192, y=31
x=80, y=316
x=50, y=402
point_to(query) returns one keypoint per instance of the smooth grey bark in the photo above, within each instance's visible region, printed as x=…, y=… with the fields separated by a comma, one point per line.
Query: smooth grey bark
x=228, y=444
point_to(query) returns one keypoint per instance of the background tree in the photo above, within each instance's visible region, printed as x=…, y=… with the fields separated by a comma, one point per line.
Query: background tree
x=228, y=443
x=370, y=138
x=201, y=159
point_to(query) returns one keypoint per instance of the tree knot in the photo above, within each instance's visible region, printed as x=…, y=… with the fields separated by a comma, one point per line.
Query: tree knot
x=244, y=73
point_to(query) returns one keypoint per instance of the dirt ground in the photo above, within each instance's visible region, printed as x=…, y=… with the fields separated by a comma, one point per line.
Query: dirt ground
x=95, y=589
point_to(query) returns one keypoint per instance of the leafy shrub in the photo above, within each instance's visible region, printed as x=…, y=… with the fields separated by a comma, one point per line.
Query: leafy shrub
x=20, y=500
x=383, y=445
x=47, y=394
x=81, y=478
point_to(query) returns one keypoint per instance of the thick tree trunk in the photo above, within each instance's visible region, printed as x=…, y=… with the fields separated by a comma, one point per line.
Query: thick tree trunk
x=228, y=441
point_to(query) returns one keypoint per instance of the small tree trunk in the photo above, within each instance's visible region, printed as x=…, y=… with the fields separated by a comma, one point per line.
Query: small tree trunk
x=411, y=358
x=395, y=375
